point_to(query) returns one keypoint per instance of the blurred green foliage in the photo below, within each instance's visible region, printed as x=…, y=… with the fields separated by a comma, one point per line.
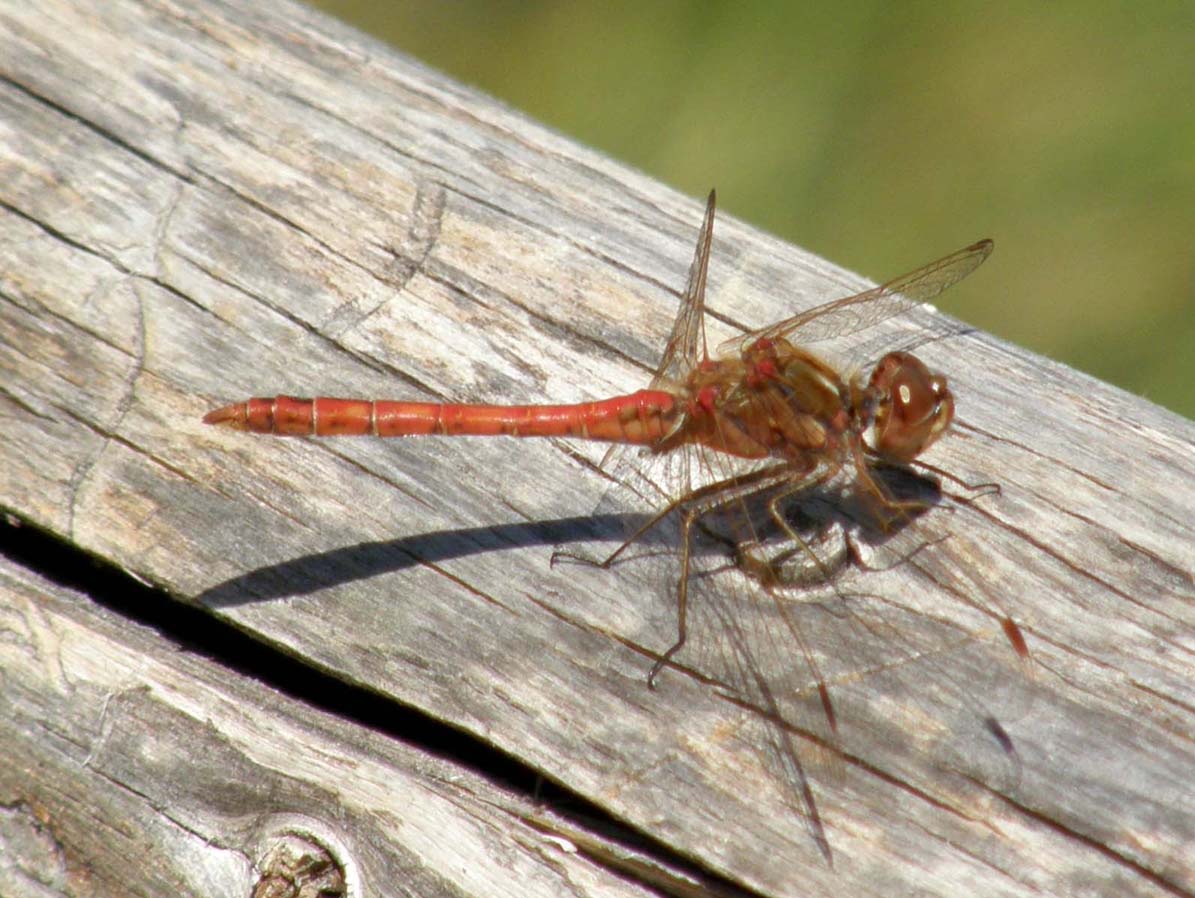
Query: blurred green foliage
x=883, y=135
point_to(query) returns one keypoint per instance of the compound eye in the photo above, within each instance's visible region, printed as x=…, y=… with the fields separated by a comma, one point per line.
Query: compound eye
x=914, y=407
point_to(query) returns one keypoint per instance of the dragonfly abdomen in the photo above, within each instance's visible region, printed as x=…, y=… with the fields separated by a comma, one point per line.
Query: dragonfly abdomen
x=642, y=417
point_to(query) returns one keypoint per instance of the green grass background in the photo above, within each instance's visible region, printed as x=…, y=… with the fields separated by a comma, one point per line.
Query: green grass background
x=882, y=135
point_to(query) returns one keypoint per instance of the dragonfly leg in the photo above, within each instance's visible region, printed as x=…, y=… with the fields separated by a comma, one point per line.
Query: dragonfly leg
x=693, y=498
x=682, y=595
x=800, y=484
x=793, y=627
x=885, y=508
x=857, y=554
x=608, y=562
x=979, y=490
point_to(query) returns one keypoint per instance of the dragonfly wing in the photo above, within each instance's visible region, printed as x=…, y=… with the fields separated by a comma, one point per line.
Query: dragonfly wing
x=863, y=310
x=806, y=656
x=686, y=343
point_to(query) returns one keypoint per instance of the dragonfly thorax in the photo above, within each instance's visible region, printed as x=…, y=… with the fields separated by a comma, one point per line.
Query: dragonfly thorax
x=773, y=400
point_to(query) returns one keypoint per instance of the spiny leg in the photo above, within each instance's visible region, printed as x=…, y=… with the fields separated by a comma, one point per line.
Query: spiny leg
x=980, y=490
x=693, y=497
x=682, y=596
x=880, y=501
x=804, y=480
x=778, y=516
x=607, y=562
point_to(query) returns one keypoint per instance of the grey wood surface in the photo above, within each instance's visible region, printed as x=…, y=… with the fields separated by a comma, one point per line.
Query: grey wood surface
x=204, y=203
x=133, y=768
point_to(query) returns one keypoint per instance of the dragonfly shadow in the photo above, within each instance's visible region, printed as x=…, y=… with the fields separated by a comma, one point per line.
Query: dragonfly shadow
x=834, y=527
x=913, y=495
x=816, y=511
x=321, y=570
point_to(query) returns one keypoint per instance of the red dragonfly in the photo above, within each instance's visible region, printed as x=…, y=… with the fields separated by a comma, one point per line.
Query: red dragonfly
x=761, y=397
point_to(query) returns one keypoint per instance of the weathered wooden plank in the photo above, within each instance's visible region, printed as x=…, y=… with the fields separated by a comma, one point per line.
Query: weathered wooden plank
x=260, y=201
x=135, y=768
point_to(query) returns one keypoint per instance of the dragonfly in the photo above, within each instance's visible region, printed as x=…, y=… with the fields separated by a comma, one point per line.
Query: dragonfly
x=789, y=419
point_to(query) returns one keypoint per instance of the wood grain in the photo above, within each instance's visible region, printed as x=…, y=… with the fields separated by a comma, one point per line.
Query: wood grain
x=207, y=202
x=135, y=768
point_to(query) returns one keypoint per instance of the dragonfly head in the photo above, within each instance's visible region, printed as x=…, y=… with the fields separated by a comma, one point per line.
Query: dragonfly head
x=913, y=407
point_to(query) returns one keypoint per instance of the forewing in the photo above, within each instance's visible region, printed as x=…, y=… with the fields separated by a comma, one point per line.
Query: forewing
x=686, y=343
x=863, y=310
x=684, y=349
